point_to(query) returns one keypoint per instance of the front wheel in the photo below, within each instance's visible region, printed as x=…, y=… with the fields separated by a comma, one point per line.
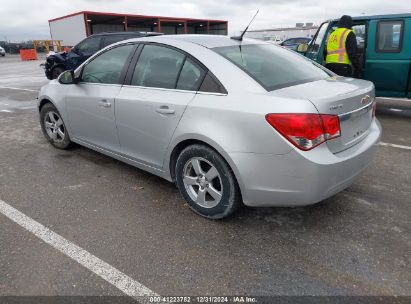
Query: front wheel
x=53, y=127
x=206, y=182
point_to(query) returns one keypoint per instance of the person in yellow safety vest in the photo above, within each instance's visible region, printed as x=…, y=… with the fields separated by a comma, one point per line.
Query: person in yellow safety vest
x=341, y=52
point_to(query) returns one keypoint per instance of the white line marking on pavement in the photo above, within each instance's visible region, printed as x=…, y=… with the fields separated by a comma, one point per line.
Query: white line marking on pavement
x=395, y=146
x=7, y=111
x=19, y=89
x=115, y=277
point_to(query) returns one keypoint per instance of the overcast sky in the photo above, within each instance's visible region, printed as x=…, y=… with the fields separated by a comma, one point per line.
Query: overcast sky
x=26, y=20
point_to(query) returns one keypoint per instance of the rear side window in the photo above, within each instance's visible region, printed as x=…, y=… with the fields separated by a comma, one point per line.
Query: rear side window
x=212, y=85
x=271, y=66
x=158, y=67
x=389, y=36
x=108, y=67
x=289, y=41
x=113, y=39
x=190, y=77
x=90, y=45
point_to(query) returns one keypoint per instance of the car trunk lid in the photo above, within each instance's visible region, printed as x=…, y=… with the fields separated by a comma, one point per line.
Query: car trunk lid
x=350, y=99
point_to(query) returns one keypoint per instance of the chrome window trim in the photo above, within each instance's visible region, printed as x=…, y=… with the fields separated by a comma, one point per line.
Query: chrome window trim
x=173, y=90
x=100, y=84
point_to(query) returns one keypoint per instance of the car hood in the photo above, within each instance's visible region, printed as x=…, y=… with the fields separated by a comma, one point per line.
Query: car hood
x=58, y=57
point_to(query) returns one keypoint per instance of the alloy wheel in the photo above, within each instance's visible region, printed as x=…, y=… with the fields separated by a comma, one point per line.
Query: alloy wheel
x=54, y=126
x=202, y=182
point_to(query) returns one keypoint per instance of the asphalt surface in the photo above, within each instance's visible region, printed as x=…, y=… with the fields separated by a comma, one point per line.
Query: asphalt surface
x=355, y=243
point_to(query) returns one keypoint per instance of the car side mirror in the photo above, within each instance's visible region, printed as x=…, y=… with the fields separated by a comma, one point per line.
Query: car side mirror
x=68, y=77
x=302, y=48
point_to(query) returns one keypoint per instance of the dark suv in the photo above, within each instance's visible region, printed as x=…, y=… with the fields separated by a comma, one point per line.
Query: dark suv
x=57, y=63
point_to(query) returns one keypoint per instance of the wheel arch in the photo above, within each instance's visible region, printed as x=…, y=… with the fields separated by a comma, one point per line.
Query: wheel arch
x=45, y=100
x=185, y=142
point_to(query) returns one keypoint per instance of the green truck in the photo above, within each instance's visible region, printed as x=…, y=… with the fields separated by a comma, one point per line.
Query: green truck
x=384, y=43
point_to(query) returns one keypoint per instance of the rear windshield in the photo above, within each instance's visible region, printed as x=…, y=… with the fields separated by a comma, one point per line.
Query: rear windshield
x=272, y=66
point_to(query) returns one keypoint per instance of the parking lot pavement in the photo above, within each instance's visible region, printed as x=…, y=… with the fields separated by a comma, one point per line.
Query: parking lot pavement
x=355, y=243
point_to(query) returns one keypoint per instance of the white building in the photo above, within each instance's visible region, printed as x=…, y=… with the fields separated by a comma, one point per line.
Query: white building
x=281, y=34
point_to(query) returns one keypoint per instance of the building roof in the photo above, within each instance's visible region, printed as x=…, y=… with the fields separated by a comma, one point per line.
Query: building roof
x=388, y=16
x=164, y=18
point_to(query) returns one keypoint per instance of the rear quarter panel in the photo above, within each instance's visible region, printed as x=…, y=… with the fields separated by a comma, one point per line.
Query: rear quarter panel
x=236, y=123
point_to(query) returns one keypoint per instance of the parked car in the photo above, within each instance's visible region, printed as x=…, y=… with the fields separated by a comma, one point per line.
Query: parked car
x=384, y=43
x=293, y=43
x=56, y=63
x=275, y=39
x=229, y=121
x=2, y=52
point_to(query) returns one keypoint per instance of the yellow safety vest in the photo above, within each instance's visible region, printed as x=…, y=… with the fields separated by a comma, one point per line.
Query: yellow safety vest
x=336, y=51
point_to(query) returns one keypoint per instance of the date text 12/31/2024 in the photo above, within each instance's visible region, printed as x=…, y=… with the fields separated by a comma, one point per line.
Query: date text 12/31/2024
x=201, y=299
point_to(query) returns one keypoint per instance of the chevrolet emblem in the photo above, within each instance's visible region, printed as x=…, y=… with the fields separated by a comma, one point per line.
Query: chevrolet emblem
x=365, y=99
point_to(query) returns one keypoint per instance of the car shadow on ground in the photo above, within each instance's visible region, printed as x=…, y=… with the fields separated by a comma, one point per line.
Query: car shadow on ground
x=278, y=217
x=394, y=110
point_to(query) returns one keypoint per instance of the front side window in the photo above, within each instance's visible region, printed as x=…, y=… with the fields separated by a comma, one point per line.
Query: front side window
x=90, y=45
x=158, y=67
x=315, y=46
x=107, y=67
x=272, y=66
x=389, y=36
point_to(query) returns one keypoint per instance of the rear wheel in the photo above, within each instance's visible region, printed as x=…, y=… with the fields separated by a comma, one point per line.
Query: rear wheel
x=206, y=182
x=53, y=127
x=56, y=72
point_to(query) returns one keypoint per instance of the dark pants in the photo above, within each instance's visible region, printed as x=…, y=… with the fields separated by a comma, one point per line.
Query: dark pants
x=340, y=69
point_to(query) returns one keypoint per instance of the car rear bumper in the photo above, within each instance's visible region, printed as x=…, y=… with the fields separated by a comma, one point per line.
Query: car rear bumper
x=302, y=178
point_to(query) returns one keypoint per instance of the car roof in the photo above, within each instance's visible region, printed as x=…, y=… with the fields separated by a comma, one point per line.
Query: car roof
x=208, y=41
x=388, y=16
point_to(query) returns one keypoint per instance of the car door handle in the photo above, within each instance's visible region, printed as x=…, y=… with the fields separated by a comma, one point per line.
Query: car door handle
x=104, y=103
x=165, y=110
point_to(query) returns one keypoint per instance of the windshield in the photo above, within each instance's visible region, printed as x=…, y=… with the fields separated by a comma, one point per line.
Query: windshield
x=272, y=66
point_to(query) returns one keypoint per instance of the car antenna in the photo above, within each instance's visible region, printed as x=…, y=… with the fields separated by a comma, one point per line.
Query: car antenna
x=240, y=38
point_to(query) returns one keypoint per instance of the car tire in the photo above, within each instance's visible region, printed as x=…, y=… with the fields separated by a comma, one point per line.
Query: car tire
x=55, y=72
x=207, y=182
x=53, y=127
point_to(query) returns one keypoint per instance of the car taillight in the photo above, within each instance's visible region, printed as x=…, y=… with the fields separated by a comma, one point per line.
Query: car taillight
x=305, y=131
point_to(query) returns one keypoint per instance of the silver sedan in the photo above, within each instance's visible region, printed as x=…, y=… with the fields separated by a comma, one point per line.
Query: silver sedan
x=228, y=121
